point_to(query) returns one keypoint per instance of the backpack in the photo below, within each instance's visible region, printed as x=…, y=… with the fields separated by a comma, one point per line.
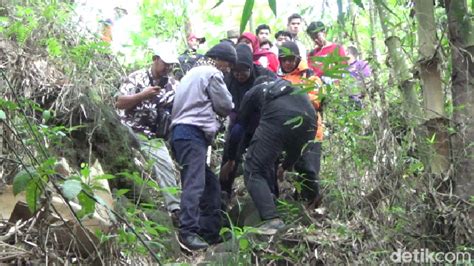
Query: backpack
x=277, y=89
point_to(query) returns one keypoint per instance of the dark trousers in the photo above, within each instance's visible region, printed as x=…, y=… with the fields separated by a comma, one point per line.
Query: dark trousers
x=270, y=139
x=200, y=196
x=308, y=167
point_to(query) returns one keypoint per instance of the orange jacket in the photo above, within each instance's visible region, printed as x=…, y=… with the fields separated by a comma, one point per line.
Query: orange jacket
x=299, y=76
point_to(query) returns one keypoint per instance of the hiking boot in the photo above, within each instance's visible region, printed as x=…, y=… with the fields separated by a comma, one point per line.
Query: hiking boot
x=271, y=227
x=175, y=218
x=192, y=242
x=315, y=202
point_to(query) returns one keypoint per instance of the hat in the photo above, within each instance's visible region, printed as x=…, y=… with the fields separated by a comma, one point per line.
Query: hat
x=201, y=40
x=315, y=27
x=244, y=55
x=223, y=51
x=233, y=34
x=166, y=52
x=288, y=48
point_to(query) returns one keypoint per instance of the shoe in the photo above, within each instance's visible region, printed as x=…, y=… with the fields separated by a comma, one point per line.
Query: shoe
x=271, y=227
x=226, y=236
x=315, y=202
x=192, y=242
x=175, y=217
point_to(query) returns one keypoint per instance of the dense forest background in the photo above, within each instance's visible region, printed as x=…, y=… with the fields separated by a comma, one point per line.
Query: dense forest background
x=396, y=174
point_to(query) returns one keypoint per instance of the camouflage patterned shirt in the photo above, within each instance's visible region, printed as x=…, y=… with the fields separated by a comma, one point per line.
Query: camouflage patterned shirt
x=145, y=116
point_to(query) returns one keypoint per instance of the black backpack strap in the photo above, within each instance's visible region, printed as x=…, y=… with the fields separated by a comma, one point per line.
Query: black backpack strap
x=277, y=89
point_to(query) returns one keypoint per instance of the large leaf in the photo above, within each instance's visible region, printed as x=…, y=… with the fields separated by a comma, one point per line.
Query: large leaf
x=71, y=188
x=359, y=3
x=218, y=4
x=3, y=116
x=244, y=244
x=46, y=115
x=246, y=14
x=22, y=179
x=87, y=204
x=33, y=193
x=273, y=6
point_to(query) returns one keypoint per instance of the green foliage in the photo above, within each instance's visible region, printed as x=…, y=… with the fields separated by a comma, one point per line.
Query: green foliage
x=30, y=181
x=273, y=6
x=359, y=3
x=21, y=180
x=71, y=188
x=246, y=13
x=53, y=47
x=297, y=121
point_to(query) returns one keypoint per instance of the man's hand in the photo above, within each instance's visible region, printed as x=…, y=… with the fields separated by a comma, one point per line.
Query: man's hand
x=226, y=169
x=150, y=92
x=129, y=101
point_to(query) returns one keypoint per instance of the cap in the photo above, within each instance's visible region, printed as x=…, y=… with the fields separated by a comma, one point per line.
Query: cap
x=166, y=52
x=233, y=34
x=201, y=40
x=224, y=51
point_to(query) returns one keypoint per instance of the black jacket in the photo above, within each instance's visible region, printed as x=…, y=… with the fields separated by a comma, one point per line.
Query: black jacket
x=238, y=90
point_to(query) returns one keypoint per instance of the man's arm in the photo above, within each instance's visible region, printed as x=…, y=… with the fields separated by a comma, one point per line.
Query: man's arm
x=220, y=97
x=251, y=104
x=129, y=101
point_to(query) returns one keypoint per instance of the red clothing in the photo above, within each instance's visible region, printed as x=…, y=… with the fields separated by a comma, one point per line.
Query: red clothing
x=252, y=38
x=322, y=52
x=267, y=59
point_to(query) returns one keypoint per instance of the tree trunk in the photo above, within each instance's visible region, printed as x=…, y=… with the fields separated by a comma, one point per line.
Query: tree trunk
x=340, y=20
x=435, y=155
x=461, y=36
x=410, y=103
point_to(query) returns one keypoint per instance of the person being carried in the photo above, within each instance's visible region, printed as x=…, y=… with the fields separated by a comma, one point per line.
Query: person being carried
x=201, y=96
x=240, y=80
x=144, y=101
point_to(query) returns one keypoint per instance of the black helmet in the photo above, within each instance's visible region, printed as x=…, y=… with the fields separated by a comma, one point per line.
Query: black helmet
x=288, y=48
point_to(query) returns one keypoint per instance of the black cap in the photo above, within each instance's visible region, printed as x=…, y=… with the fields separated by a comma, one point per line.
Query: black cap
x=315, y=27
x=223, y=51
x=288, y=48
x=244, y=55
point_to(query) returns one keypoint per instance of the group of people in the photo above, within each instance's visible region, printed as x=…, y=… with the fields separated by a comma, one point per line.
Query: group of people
x=269, y=96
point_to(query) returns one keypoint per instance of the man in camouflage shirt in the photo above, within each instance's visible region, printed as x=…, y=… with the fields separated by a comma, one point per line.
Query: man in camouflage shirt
x=144, y=101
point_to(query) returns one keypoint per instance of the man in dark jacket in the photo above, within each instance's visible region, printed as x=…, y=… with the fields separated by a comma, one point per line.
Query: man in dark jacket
x=239, y=81
x=287, y=123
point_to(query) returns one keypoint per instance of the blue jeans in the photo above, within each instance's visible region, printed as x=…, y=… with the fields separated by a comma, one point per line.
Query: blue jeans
x=200, y=196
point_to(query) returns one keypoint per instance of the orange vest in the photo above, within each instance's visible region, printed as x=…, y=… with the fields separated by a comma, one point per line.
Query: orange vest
x=298, y=76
